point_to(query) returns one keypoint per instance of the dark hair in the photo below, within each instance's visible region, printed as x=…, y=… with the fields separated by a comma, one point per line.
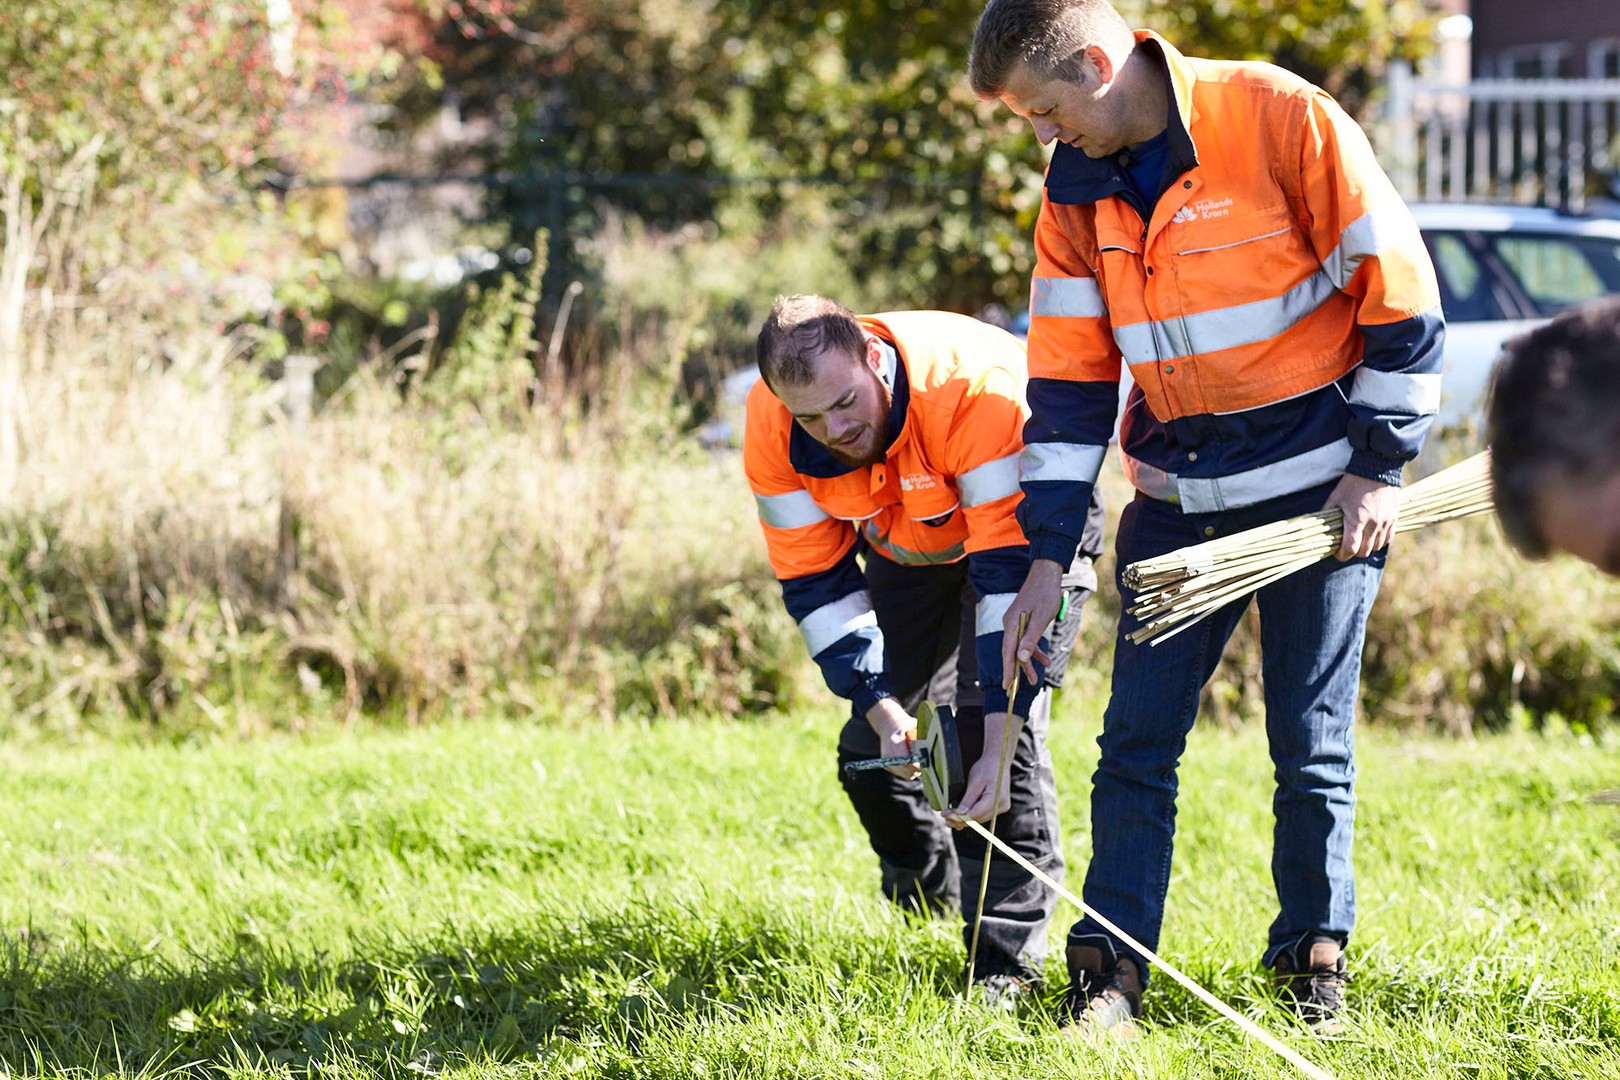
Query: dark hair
x=1047, y=35
x=799, y=329
x=1554, y=414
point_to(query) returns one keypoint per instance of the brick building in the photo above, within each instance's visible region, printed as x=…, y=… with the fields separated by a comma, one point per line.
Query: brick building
x=1550, y=39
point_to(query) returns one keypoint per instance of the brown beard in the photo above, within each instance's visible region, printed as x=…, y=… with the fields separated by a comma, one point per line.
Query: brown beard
x=879, y=451
x=861, y=461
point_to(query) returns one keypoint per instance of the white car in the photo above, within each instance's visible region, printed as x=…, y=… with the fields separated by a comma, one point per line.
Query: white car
x=1503, y=270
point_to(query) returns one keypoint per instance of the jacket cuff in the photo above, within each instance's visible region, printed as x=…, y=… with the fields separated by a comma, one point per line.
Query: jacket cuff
x=870, y=692
x=995, y=697
x=1028, y=690
x=1060, y=549
x=1371, y=466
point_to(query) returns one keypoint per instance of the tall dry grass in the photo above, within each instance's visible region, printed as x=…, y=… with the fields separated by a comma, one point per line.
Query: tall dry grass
x=575, y=557
x=483, y=540
x=458, y=552
x=571, y=564
x=571, y=557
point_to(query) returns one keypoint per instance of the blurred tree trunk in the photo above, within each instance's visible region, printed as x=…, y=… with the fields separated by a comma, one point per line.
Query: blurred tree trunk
x=29, y=209
x=15, y=259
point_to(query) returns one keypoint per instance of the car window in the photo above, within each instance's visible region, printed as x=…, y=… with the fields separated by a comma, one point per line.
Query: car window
x=1557, y=272
x=1465, y=291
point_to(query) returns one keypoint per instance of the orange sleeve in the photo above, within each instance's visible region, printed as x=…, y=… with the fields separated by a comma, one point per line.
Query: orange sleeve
x=1070, y=337
x=800, y=537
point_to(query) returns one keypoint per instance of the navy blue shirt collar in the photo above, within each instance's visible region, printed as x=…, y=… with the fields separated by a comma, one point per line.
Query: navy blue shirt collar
x=1073, y=179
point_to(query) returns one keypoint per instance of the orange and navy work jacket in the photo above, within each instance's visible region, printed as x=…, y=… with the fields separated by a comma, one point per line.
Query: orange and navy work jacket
x=947, y=490
x=1276, y=308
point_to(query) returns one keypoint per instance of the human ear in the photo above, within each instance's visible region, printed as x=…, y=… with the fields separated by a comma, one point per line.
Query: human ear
x=874, y=356
x=1100, y=60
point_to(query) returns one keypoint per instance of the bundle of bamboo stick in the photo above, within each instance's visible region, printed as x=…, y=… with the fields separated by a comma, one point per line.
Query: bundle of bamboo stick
x=1176, y=590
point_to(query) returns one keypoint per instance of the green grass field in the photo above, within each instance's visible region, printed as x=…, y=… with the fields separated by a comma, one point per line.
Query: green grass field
x=696, y=900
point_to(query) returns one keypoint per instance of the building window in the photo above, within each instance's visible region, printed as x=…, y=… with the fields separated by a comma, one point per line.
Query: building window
x=1550, y=61
x=1603, y=59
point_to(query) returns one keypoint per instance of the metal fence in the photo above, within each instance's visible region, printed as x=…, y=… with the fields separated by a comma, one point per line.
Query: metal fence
x=1554, y=142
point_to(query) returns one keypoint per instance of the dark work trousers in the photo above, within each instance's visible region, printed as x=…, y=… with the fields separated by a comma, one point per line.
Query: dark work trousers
x=926, y=614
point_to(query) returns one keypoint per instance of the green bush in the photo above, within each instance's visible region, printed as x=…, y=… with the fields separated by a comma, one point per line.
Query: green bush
x=1467, y=636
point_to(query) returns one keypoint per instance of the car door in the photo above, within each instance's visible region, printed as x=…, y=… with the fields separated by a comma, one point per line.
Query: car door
x=1483, y=306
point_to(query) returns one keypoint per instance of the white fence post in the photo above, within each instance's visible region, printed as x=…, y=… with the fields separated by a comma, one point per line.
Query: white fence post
x=1402, y=119
x=297, y=405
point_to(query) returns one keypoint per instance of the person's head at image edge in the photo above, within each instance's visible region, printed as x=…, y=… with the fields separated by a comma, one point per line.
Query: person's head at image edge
x=1554, y=432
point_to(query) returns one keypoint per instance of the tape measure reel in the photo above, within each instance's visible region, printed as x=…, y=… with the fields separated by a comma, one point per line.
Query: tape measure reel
x=943, y=779
x=936, y=751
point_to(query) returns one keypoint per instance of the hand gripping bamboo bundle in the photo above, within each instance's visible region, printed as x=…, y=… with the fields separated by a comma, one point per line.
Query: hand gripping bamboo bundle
x=1176, y=590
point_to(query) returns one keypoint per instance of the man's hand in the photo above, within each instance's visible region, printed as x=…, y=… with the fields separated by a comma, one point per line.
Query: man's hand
x=983, y=783
x=895, y=730
x=1370, y=512
x=1040, y=597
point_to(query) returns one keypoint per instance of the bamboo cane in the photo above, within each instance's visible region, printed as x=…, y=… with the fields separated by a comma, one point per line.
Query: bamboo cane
x=1177, y=589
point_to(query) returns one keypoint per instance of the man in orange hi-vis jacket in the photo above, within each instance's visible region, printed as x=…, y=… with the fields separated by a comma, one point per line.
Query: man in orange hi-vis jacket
x=896, y=437
x=1223, y=229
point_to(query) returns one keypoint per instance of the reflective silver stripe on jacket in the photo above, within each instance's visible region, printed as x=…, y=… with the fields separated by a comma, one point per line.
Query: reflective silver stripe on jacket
x=1078, y=298
x=829, y=623
x=989, y=612
x=991, y=481
x=790, y=511
x=1394, y=392
x=907, y=557
x=1222, y=328
x=1388, y=228
x=1204, y=496
x=1061, y=461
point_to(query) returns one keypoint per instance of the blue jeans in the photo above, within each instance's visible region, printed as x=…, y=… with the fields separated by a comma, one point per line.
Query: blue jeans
x=1312, y=625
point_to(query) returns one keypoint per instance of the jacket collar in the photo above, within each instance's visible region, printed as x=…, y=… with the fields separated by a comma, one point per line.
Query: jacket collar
x=1073, y=179
x=810, y=458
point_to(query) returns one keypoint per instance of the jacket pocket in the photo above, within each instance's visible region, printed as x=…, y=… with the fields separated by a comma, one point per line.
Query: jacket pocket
x=1199, y=236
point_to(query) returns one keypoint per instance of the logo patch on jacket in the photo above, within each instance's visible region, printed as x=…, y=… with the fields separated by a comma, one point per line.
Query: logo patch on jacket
x=1204, y=210
x=917, y=482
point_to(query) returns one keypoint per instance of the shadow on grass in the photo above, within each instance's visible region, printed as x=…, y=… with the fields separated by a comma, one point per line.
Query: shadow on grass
x=547, y=992
x=414, y=1006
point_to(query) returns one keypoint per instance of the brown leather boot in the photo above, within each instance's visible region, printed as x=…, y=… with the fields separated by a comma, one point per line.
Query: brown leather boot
x=1105, y=990
x=1312, y=974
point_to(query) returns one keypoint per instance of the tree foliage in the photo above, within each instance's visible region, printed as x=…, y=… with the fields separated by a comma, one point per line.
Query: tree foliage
x=168, y=115
x=739, y=108
x=739, y=114
x=182, y=87
x=1343, y=46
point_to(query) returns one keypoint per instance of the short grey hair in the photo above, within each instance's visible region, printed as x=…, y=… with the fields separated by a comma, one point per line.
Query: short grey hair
x=1554, y=415
x=1047, y=35
x=799, y=329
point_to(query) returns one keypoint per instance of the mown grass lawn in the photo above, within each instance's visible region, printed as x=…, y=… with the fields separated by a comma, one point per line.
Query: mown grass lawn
x=696, y=900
